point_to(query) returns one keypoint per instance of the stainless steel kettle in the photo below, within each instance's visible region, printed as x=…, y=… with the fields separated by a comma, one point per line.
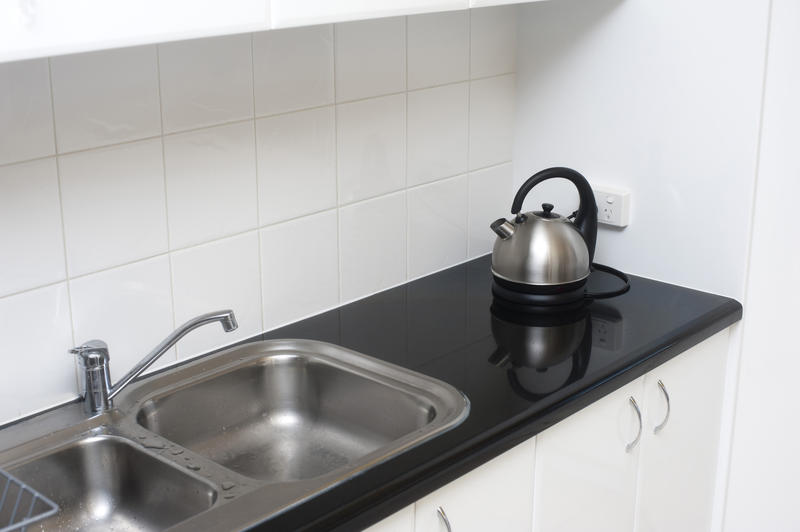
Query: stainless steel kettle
x=542, y=257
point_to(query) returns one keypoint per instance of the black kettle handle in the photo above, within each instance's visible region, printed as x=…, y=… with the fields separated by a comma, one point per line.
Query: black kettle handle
x=586, y=217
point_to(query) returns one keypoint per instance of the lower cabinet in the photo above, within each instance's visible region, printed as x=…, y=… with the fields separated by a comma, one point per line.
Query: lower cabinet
x=592, y=473
x=585, y=478
x=641, y=459
x=678, y=462
x=495, y=496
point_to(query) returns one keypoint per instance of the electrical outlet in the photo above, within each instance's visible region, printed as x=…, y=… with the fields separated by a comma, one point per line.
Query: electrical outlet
x=613, y=206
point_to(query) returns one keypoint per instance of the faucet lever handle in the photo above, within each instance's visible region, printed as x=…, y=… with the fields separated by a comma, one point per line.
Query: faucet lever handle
x=91, y=345
x=93, y=352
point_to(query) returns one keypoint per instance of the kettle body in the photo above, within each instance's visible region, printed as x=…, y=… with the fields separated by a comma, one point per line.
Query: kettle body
x=542, y=252
x=545, y=249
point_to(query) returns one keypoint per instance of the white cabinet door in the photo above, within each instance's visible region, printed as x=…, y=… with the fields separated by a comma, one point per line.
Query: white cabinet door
x=585, y=477
x=401, y=521
x=286, y=13
x=677, y=465
x=496, y=496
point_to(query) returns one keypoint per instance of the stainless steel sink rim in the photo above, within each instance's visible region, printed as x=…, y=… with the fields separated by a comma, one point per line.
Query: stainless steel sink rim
x=350, y=361
x=234, y=507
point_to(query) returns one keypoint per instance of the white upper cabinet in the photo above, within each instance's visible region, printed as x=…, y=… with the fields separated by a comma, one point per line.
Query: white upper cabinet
x=286, y=13
x=38, y=28
x=42, y=28
x=487, y=3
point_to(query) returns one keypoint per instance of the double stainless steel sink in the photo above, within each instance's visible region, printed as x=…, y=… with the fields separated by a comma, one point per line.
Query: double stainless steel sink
x=227, y=440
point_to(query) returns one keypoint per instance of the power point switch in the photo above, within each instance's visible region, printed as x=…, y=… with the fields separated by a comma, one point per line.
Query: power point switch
x=613, y=206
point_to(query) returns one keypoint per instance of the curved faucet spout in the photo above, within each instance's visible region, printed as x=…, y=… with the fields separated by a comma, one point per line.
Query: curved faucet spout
x=225, y=317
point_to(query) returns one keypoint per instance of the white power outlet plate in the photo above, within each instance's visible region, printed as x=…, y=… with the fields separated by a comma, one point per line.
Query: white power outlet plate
x=613, y=206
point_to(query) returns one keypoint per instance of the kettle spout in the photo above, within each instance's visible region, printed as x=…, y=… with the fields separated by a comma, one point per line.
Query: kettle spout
x=503, y=228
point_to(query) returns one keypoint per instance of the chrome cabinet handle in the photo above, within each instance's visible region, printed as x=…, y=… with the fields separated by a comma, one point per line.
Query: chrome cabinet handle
x=443, y=517
x=635, y=406
x=666, y=417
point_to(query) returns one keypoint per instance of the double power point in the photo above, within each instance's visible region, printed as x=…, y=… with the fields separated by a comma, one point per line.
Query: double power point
x=613, y=206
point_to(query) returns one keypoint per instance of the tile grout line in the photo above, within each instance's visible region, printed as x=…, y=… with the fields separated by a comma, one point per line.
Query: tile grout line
x=406, y=188
x=166, y=197
x=405, y=156
x=469, y=128
x=243, y=120
x=251, y=229
x=261, y=307
x=66, y=281
x=339, y=288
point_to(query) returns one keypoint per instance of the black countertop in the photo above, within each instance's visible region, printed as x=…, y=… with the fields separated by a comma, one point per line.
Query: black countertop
x=441, y=325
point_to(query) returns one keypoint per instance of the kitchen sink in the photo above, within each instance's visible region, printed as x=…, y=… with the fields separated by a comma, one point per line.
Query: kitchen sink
x=300, y=410
x=106, y=483
x=227, y=440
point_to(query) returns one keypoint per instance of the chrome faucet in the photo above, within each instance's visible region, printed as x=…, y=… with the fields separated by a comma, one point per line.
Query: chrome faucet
x=93, y=358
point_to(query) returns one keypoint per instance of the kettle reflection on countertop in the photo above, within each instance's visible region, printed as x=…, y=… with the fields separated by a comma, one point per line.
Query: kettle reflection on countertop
x=545, y=352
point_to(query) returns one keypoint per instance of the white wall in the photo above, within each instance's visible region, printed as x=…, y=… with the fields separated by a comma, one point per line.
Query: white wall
x=661, y=98
x=765, y=465
x=278, y=174
x=665, y=99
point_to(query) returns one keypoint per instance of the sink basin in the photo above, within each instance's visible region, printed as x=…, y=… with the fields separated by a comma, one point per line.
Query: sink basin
x=228, y=440
x=106, y=483
x=298, y=410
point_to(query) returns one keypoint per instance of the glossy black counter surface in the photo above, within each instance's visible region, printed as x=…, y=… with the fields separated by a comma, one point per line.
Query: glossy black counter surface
x=442, y=326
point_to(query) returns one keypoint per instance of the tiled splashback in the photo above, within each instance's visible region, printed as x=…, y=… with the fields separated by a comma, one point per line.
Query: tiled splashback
x=278, y=174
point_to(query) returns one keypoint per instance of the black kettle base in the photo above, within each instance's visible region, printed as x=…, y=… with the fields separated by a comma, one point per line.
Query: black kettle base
x=510, y=297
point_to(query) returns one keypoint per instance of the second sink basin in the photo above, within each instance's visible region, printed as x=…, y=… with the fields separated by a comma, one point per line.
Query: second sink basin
x=296, y=410
x=106, y=483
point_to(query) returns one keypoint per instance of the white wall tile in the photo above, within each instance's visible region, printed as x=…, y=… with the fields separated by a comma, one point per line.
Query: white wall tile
x=438, y=121
x=113, y=201
x=105, y=97
x=129, y=307
x=490, y=196
x=35, y=326
x=299, y=268
x=371, y=147
x=206, y=81
x=217, y=276
x=370, y=58
x=491, y=121
x=372, y=245
x=211, y=183
x=296, y=164
x=169, y=156
x=293, y=69
x=493, y=41
x=438, y=49
x=32, y=249
x=26, y=120
x=437, y=225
